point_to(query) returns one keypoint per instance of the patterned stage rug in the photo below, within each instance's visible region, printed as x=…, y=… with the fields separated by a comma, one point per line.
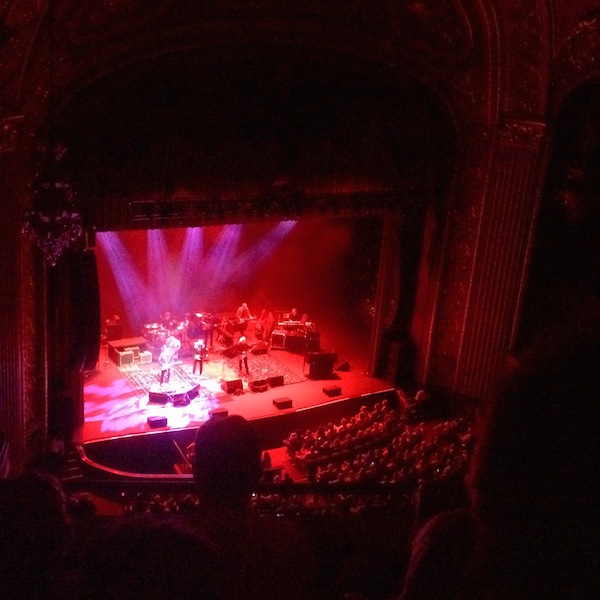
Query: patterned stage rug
x=261, y=366
x=149, y=378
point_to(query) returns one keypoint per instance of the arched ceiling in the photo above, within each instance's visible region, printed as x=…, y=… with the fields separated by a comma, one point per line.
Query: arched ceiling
x=246, y=122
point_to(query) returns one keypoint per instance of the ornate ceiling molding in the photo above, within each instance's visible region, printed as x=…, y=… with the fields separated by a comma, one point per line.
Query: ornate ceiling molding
x=107, y=33
x=577, y=59
x=442, y=27
x=527, y=47
x=523, y=133
x=10, y=130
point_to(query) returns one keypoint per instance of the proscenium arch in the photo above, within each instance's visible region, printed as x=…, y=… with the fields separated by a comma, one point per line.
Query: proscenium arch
x=216, y=121
x=401, y=161
x=457, y=72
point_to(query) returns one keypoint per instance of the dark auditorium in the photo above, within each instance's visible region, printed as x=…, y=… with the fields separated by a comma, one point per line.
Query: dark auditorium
x=301, y=300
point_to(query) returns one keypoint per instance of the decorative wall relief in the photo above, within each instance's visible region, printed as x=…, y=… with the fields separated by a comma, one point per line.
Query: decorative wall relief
x=578, y=59
x=527, y=54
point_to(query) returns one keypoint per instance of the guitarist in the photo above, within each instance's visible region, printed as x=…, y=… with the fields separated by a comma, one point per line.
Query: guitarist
x=242, y=348
x=168, y=357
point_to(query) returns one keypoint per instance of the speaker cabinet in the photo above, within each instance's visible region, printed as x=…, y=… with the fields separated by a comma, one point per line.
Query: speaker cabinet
x=295, y=342
x=231, y=387
x=313, y=341
x=146, y=357
x=282, y=403
x=156, y=422
x=275, y=381
x=278, y=339
x=135, y=350
x=124, y=357
x=321, y=364
x=218, y=413
x=120, y=351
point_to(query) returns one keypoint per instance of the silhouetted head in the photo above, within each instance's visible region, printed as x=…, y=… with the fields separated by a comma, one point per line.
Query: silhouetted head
x=227, y=462
x=538, y=448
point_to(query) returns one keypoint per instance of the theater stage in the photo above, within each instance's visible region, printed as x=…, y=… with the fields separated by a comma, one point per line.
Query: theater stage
x=126, y=409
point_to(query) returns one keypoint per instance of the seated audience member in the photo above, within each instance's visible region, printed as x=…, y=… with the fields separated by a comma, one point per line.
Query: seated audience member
x=440, y=554
x=535, y=471
x=35, y=536
x=148, y=558
x=269, y=558
x=532, y=484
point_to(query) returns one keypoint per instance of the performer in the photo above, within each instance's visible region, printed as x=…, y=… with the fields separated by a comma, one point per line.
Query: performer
x=294, y=315
x=259, y=332
x=166, y=320
x=200, y=353
x=168, y=357
x=243, y=312
x=194, y=326
x=209, y=324
x=242, y=348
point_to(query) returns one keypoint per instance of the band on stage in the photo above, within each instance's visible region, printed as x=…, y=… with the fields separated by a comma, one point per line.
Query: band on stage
x=198, y=334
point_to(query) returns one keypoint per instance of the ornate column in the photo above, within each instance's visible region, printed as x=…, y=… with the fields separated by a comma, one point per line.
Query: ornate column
x=502, y=246
x=22, y=372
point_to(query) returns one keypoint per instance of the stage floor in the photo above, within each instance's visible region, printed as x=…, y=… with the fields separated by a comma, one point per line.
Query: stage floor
x=121, y=401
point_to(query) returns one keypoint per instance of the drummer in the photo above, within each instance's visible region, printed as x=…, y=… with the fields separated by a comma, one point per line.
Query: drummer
x=166, y=321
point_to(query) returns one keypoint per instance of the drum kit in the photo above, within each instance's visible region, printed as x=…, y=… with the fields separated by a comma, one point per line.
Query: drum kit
x=195, y=326
x=156, y=334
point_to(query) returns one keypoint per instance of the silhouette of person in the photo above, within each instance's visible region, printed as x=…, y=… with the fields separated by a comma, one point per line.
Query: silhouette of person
x=36, y=534
x=148, y=558
x=272, y=556
x=532, y=483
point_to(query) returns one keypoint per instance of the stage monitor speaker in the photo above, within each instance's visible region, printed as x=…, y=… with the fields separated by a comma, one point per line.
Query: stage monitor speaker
x=155, y=422
x=275, y=381
x=260, y=348
x=193, y=393
x=343, y=366
x=332, y=390
x=260, y=385
x=282, y=403
x=158, y=398
x=231, y=387
x=218, y=413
